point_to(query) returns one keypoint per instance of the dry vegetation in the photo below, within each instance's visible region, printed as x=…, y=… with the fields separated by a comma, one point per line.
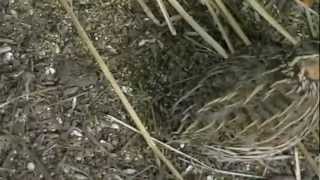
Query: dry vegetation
x=159, y=89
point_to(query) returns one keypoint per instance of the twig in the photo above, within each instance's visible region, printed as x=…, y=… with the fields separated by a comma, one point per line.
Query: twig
x=297, y=163
x=167, y=17
x=198, y=28
x=188, y=94
x=316, y=136
x=142, y=171
x=5, y=49
x=220, y=26
x=311, y=24
x=229, y=173
x=30, y=94
x=173, y=18
x=68, y=99
x=198, y=44
x=258, y=7
x=8, y=41
x=109, y=76
x=194, y=160
x=233, y=23
x=148, y=12
x=308, y=157
x=76, y=169
x=7, y=170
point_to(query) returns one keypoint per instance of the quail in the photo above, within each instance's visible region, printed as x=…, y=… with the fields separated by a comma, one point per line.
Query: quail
x=264, y=107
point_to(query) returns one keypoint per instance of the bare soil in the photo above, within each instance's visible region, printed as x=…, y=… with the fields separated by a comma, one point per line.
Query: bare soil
x=57, y=110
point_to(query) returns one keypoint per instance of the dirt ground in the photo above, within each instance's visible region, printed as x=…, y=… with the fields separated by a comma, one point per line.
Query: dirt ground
x=57, y=111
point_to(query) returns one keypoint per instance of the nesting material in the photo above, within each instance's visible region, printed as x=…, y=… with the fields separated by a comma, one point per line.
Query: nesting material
x=268, y=109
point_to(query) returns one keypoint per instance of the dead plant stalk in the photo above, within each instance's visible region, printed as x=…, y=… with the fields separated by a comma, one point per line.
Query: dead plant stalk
x=109, y=76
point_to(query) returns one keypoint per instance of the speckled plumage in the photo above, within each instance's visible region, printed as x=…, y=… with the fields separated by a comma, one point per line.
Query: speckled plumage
x=265, y=108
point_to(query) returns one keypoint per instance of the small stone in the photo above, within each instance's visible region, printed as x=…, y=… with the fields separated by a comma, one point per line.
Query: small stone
x=59, y=119
x=8, y=57
x=50, y=71
x=189, y=169
x=71, y=91
x=129, y=171
x=31, y=166
x=79, y=158
x=127, y=90
x=76, y=133
x=111, y=50
x=115, y=126
x=80, y=176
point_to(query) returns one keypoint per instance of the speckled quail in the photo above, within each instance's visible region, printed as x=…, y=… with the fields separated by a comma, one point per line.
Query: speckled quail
x=265, y=108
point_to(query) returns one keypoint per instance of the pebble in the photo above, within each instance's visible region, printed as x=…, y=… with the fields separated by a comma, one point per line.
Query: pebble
x=31, y=166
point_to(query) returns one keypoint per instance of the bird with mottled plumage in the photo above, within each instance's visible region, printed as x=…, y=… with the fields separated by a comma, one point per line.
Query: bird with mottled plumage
x=265, y=108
